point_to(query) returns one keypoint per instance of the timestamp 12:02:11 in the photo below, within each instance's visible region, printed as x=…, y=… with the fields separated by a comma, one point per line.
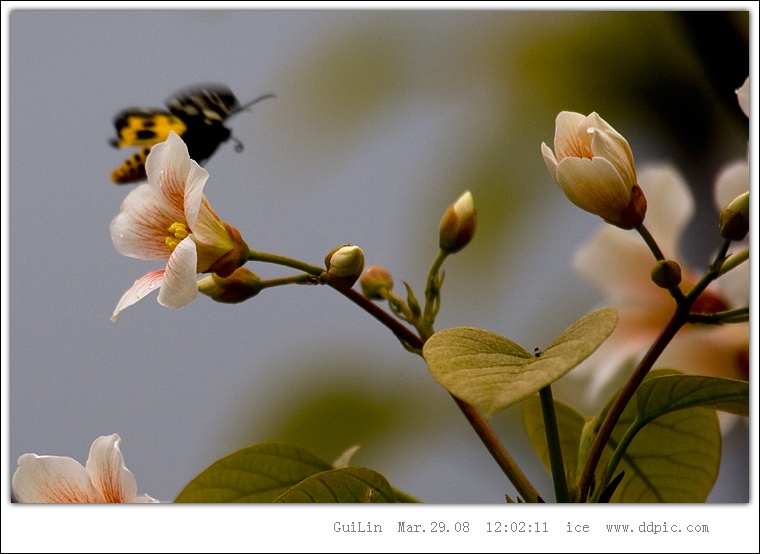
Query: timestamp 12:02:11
x=517, y=527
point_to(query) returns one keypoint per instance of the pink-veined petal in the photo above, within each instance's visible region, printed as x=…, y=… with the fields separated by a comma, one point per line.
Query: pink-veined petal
x=53, y=479
x=568, y=142
x=179, y=285
x=194, y=185
x=594, y=185
x=143, y=286
x=211, y=232
x=108, y=472
x=167, y=167
x=141, y=228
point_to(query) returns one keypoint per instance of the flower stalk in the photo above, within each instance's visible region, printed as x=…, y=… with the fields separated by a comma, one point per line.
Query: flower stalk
x=552, y=440
x=255, y=256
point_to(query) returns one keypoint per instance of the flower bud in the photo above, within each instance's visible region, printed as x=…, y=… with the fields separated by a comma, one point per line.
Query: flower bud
x=241, y=285
x=344, y=266
x=594, y=167
x=734, y=219
x=374, y=281
x=458, y=224
x=666, y=274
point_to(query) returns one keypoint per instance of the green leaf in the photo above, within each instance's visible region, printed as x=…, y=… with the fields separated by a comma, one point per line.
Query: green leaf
x=668, y=393
x=674, y=458
x=492, y=372
x=668, y=399
x=258, y=473
x=345, y=485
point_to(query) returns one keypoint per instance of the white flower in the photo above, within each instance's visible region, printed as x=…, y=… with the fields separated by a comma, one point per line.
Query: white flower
x=168, y=218
x=58, y=479
x=593, y=165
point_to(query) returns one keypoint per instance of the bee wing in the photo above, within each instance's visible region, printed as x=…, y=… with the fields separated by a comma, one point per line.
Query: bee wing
x=211, y=104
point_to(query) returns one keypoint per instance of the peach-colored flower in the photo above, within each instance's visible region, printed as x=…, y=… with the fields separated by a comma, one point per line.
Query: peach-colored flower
x=63, y=480
x=168, y=218
x=593, y=165
x=619, y=264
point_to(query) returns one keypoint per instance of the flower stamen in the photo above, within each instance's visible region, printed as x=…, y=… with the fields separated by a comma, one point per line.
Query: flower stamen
x=177, y=233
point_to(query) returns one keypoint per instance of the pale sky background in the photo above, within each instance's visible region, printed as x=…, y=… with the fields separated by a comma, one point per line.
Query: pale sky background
x=381, y=119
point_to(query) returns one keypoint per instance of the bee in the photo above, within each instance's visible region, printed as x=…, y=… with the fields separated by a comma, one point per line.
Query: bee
x=196, y=114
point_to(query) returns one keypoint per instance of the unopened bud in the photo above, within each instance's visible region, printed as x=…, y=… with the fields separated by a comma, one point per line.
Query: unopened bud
x=374, y=281
x=238, y=287
x=666, y=274
x=734, y=219
x=458, y=224
x=344, y=266
x=593, y=165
